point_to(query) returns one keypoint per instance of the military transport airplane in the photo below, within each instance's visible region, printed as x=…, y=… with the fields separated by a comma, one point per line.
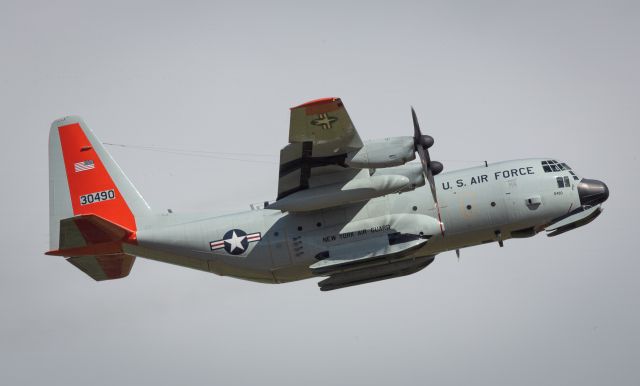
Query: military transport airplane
x=353, y=212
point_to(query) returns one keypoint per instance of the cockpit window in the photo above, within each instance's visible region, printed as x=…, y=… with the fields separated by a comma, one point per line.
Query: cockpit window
x=574, y=175
x=554, y=166
x=563, y=182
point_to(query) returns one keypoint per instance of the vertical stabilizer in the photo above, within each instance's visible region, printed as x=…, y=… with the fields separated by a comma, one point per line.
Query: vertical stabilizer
x=85, y=181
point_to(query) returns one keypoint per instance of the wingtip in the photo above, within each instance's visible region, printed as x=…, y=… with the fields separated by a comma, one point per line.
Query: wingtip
x=315, y=102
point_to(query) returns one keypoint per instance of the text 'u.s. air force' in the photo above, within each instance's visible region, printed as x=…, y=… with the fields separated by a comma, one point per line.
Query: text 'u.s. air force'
x=482, y=178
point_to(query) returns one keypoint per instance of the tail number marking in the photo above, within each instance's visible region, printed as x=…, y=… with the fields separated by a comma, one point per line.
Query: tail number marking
x=91, y=198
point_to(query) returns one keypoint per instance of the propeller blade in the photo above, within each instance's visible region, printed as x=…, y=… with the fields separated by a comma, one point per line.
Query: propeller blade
x=432, y=185
x=421, y=145
x=423, y=153
x=416, y=127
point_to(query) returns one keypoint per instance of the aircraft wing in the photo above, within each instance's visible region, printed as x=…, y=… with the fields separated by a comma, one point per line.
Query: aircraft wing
x=321, y=135
x=375, y=252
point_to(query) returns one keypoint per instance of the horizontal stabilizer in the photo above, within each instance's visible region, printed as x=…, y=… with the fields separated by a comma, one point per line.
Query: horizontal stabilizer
x=94, y=245
x=87, y=235
x=104, y=267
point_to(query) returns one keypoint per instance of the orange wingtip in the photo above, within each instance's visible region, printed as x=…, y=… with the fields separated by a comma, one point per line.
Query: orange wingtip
x=316, y=102
x=108, y=248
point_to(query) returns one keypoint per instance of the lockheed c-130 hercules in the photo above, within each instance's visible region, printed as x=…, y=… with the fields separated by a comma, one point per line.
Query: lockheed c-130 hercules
x=353, y=212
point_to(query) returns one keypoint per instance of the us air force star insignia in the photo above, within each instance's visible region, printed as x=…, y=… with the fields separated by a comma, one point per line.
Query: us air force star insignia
x=324, y=120
x=235, y=244
x=235, y=241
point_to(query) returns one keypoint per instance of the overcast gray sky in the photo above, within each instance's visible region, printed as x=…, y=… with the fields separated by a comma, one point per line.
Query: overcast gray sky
x=491, y=80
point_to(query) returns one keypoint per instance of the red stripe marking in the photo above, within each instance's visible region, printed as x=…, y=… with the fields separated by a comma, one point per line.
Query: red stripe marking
x=77, y=148
x=321, y=106
x=108, y=248
x=440, y=220
x=318, y=101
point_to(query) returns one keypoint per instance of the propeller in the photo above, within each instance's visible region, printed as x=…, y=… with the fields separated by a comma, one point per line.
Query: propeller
x=422, y=143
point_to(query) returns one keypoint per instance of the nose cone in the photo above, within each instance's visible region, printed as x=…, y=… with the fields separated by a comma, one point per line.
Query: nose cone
x=592, y=192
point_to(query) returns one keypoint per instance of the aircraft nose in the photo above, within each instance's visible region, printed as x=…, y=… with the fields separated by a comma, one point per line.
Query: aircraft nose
x=592, y=192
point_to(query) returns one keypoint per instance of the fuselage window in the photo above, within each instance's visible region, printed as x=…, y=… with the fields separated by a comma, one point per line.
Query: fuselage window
x=560, y=182
x=566, y=182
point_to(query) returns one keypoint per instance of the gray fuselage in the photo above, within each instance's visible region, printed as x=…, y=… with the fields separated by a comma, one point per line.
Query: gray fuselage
x=477, y=205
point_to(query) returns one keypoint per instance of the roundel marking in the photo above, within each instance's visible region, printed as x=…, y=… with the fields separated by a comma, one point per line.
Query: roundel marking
x=235, y=241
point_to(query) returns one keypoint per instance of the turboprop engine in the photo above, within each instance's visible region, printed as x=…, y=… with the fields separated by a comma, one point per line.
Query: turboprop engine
x=412, y=171
x=383, y=153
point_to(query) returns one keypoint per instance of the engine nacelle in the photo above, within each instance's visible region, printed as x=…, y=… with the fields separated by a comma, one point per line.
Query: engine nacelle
x=383, y=153
x=412, y=171
x=328, y=196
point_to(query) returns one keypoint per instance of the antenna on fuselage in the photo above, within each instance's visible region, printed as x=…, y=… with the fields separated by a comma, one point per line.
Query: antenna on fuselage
x=499, y=237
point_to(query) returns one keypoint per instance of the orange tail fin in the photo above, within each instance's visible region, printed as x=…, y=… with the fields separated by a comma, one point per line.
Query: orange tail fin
x=93, y=207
